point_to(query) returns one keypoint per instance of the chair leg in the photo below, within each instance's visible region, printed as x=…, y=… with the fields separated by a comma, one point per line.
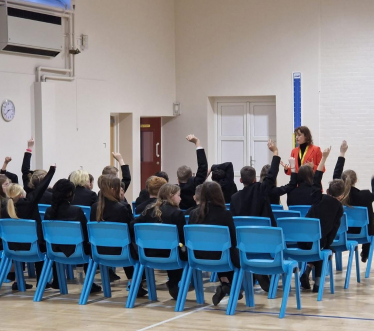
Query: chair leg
x=297, y=288
x=197, y=276
x=182, y=295
x=248, y=277
x=370, y=258
x=135, y=275
x=136, y=279
x=61, y=278
x=358, y=276
x=151, y=283
x=332, y=283
x=105, y=281
x=235, y=290
x=47, y=267
x=19, y=276
x=87, y=284
x=272, y=281
x=349, y=267
x=338, y=261
x=4, y=268
x=250, y=299
x=325, y=265
x=275, y=287
x=213, y=277
x=286, y=293
x=69, y=271
x=31, y=270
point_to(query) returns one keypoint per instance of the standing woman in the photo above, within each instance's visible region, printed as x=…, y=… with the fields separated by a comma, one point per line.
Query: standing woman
x=306, y=153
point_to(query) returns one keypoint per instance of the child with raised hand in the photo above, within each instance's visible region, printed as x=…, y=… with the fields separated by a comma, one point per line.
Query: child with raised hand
x=329, y=210
x=186, y=181
x=11, y=176
x=223, y=174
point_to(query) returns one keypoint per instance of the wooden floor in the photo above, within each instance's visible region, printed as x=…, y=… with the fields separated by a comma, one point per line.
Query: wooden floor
x=345, y=310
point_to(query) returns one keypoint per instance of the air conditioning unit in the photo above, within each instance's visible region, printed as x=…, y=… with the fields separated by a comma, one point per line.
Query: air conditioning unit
x=28, y=32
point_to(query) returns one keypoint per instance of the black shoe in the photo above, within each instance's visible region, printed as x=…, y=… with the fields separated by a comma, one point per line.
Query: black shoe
x=15, y=286
x=227, y=289
x=11, y=276
x=173, y=290
x=264, y=282
x=95, y=288
x=219, y=295
x=113, y=276
x=364, y=257
x=304, y=280
x=142, y=292
x=315, y=288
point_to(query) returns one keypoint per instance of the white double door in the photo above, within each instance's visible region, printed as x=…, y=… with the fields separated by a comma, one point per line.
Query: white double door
x=244, y=129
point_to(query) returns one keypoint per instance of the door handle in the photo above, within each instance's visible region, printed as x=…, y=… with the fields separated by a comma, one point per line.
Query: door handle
x=158, y=144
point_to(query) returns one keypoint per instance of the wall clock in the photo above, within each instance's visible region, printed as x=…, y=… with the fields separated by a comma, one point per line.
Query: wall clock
x=8, y=110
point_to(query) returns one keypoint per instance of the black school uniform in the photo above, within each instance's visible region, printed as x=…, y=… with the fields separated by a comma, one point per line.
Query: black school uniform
x=359, y=198
x=329, y=211
x=13, y=177
x=84, y=196
x=276, y=192
x=216, y=215
x=301, y=195
x=143, y=196
x=253, y=200
x=126, y=179
x=188, y=189
x=139, y=209
x=119, y=212
x=67, y=212
x=170, y=215
x=28, y=209
x=227, y=184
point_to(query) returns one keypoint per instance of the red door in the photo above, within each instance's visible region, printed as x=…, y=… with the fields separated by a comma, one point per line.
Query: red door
x=150, y=141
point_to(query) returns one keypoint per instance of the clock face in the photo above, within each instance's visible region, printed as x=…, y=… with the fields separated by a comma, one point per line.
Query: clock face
x=8, y=110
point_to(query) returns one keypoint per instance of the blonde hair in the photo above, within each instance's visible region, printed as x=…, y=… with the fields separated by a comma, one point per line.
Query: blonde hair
x=36, y=177
x=154, y=184
x=13, y=191
x=165, y=195
x=350, y=178
x=80, y=178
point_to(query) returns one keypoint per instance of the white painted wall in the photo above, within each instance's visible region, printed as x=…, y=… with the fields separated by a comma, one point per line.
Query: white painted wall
x=129, y=67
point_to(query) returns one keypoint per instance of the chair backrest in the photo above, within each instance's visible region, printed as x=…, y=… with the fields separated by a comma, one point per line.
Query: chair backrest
x=303, y=209
x=20, y=231
x=63, y=233
x=251, y=221
x=256, y=241
x=157, y=236
x=86, y=211
x=276, y=207
x=357, y=216
x=42, y=208
x=285, y=213
x=227, y=206
x=300, y=229
x=208, y=238
x=110, y=234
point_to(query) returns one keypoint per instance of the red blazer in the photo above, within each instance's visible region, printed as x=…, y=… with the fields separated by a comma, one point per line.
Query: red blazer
x=313, y=154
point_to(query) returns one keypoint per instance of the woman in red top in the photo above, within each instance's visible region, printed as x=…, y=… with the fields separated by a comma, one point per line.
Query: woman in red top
x=306, y=153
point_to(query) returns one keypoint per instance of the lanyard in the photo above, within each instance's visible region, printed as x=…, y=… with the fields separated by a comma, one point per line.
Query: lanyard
x=303, y=156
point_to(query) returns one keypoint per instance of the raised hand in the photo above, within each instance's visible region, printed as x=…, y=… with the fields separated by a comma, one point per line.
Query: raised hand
x=191, y=138
x=273, y=147
x=7, y=159
x=343, y=148
x=30, y=143
x=119, y=158
x=326, y=152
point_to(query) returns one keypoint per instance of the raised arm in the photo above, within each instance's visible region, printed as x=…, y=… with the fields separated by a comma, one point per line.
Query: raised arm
x=26, y=164
x=269, y=181
x=317, y=178
x=228, y=168
x=279, y=191
x=126, y=176
x=11, y=176
x=202, y=163
x=42, y=187
x=339, y=167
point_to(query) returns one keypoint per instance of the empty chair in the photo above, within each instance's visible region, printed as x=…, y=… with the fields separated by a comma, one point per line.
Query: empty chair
x=285, y=213
x=156, y=236
x=276, y=207
x=107, y=234
x=42, y=208
x=61, y=233
x=358, y=217
x=303, y=209
x=342, y=244
x=86, y=211
x=251, y=221
x=19, y=231
x=208, y=238
x=309, y=232
x=255, y=241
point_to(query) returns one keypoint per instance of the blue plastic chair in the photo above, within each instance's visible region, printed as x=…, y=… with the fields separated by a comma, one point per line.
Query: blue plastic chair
x=254, y=241
x=358, y=217
x=107, y=234
x=276, y=207
x=206, y=238
x=342, y=244
x=300, y=229
x=156, y=236
x=19, y=231
x=227, y=206
x=42, y=208
x=133, y=207
x=303, y=209
x=187, y=217
x=64, y=233
x=86, y=211
x=251, y=221
x=285, y=213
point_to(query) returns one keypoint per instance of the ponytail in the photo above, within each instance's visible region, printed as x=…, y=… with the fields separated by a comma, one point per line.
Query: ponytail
x=109, y=189
x=63, y=191
x=11, y=209
x=14, y=191
x=350, y=178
